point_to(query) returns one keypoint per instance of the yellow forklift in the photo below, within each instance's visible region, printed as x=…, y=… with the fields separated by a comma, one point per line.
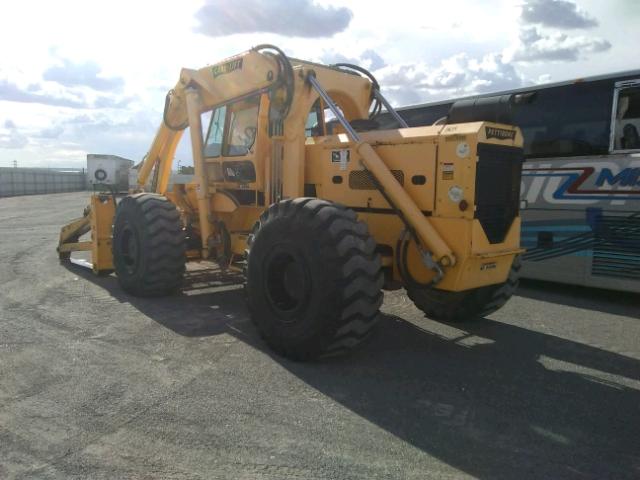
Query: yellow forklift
x=296, y=186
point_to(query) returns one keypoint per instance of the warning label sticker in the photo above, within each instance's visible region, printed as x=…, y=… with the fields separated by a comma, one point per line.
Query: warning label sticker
x=447, y=171
x=342, y=157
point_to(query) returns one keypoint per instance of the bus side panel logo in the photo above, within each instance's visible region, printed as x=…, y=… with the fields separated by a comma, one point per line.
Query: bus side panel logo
x=629, y=177
x=499, y=133
x=226, y=67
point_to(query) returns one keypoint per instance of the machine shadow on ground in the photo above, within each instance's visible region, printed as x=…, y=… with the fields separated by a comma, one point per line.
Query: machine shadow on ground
x=495, y=400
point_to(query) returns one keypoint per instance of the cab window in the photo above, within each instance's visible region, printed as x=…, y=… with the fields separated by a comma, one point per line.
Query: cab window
x=627, y=120
x=313, y=127
x=243, y=127
x=213, y=144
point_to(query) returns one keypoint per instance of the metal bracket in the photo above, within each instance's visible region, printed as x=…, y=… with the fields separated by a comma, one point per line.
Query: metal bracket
x=428, y=262
x=311, y=78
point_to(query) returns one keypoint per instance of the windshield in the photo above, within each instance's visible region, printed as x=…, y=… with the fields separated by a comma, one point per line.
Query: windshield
x=243, y=126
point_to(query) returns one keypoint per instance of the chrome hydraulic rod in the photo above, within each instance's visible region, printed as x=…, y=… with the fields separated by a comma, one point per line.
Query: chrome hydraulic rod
x=390, y=109
x=202, y=192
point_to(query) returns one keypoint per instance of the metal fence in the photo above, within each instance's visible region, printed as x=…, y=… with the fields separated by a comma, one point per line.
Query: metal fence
x=30, y=181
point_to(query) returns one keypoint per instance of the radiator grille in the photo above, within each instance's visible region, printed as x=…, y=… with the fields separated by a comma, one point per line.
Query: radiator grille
x=362, y=179
x=497, y=188
x=617, y=247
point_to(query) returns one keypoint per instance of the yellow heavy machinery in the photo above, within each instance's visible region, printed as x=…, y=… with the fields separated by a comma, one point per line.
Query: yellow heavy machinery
x=295, y=185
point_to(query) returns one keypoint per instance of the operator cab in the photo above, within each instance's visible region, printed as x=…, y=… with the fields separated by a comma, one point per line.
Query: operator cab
x=230, y=141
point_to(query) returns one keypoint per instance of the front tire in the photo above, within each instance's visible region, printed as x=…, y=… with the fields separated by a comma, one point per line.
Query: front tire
x=313, y=278
x=466, y=305
x=148, y=245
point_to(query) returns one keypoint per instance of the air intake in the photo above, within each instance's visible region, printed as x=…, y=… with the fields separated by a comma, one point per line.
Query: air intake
x=362, y=179
x=498, y=175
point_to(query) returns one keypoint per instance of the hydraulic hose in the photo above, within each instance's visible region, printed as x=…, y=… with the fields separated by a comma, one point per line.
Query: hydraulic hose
x=377, y=105
x=167, y=102
x=285, y=75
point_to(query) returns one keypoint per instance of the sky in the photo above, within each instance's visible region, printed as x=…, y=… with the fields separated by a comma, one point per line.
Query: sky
x=79, y=77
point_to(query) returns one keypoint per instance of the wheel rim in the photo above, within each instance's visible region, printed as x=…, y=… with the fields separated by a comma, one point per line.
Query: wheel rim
x=129, y=248
x=287, y=283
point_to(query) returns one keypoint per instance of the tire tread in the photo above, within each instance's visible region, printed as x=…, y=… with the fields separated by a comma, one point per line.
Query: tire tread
x=165, y=248
x=344, y=242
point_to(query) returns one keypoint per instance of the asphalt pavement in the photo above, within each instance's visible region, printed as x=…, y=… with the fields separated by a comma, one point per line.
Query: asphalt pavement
x=97, y=384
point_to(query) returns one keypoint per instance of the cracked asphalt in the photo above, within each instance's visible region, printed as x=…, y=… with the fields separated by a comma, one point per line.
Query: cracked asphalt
x=97, y=384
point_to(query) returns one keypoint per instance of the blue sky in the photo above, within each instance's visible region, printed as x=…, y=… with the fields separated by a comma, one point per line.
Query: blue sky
x=80, y=77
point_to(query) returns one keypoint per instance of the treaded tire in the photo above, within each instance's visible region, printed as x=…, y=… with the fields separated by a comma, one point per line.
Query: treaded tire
x=467, y=305
x=148, y=245
x=313, y=278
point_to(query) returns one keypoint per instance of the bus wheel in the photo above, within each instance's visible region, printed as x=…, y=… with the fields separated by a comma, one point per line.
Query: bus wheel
x=467, y=305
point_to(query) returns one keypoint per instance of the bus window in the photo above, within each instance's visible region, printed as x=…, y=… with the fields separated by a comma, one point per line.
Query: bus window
x=429, y=117
x=627, y=120
x=558, y=122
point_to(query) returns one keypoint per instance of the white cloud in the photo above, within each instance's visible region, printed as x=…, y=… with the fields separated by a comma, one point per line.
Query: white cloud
x=369, y=59
x=98, y=85
x=535, y=46
x=457, y=76
x=51, y=132
x=35, y=94
x=291, y=18
x=59, y=97
x=129, y=136
x=10, y=137
x=557, y=14
x=87, y=74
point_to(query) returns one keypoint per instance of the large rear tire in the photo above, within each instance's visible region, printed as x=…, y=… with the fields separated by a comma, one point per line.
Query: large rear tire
x=148, y=245
x=313, y=278
x=467, y=305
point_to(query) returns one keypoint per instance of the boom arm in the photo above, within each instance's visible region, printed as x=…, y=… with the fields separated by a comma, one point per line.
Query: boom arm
x=236, y=77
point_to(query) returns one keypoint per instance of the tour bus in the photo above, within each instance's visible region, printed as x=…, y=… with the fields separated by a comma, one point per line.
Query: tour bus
x=580, y=192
